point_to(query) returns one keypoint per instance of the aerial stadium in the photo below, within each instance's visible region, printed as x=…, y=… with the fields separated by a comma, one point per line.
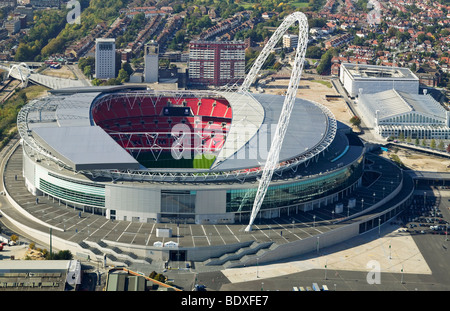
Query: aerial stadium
x=215, y=158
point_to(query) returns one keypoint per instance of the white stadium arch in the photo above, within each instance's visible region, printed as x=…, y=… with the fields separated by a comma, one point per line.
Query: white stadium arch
x=273, y=156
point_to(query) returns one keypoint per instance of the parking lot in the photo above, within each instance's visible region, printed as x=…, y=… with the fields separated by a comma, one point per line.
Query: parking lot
x=426, y=214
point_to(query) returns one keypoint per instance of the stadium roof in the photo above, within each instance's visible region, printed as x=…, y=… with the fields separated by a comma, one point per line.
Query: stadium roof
x=392, y=102
x=63, y=128
x=85, y=147
x=307, y=128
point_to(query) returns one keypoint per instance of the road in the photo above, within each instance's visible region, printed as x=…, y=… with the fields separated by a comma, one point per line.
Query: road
x=80, y=75
x=367, y=132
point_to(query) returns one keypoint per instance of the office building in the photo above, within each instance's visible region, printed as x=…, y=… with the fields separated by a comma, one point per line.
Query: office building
x=105, y=58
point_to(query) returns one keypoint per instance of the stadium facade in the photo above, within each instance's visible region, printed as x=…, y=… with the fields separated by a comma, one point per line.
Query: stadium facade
x=132, y=154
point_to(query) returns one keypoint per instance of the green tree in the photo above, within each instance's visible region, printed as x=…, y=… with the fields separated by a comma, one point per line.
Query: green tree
x=127, y=67
x=433, y=144
x=441, y=145
x=87, y=71
x=24, y=53
x=416, y=142
x=123, y=76
x=86, y=61
x=355, y=121
x=325, y=61
x=61, y=255
x=314, y=52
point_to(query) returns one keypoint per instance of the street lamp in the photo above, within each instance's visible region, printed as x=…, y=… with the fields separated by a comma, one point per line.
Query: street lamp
x=446, y=233
x=314, y=219
x=379, y=226
x=362, y=204
x=374, y=198
x=257, y=260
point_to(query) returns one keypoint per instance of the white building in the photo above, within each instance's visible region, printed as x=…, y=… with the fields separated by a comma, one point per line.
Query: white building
x=414, y=115
x=151, y=62
x=290, y=41
x=370, y=79
x=105, y=58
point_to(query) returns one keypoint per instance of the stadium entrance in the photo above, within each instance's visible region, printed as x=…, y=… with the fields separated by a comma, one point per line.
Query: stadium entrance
x=178, y=255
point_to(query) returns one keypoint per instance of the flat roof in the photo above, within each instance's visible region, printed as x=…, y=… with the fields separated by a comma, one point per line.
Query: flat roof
x=8, y=266
x=84, y=147
x=364, y=72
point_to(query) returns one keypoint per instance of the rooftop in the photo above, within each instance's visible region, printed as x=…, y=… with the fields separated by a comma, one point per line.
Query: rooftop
x=392, y=102
x=362, y=71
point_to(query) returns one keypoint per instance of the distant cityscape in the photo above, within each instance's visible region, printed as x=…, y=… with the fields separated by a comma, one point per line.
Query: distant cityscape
x=411, y=34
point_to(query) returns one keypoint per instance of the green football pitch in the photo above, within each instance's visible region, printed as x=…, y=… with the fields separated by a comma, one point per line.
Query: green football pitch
x=166, y=160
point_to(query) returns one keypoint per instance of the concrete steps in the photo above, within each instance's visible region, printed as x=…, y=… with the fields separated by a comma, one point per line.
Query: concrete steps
x=250, y=257
x=113, y=253
x=253, y=249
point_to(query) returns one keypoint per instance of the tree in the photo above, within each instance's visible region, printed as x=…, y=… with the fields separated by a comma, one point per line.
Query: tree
x=61, y=255
x=433, y=144
x=24, y=53
x=123, y=76
x=86, y=61
x=127, y=67
x=325, y=61
x=314, y=52
x=87, y=71
x=441, y=145
x=14, y=238
x=355, y=121
x=416, y=141
x=401, y=136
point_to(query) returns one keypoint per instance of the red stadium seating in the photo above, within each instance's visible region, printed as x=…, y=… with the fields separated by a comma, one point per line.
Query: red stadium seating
x=210, y=119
